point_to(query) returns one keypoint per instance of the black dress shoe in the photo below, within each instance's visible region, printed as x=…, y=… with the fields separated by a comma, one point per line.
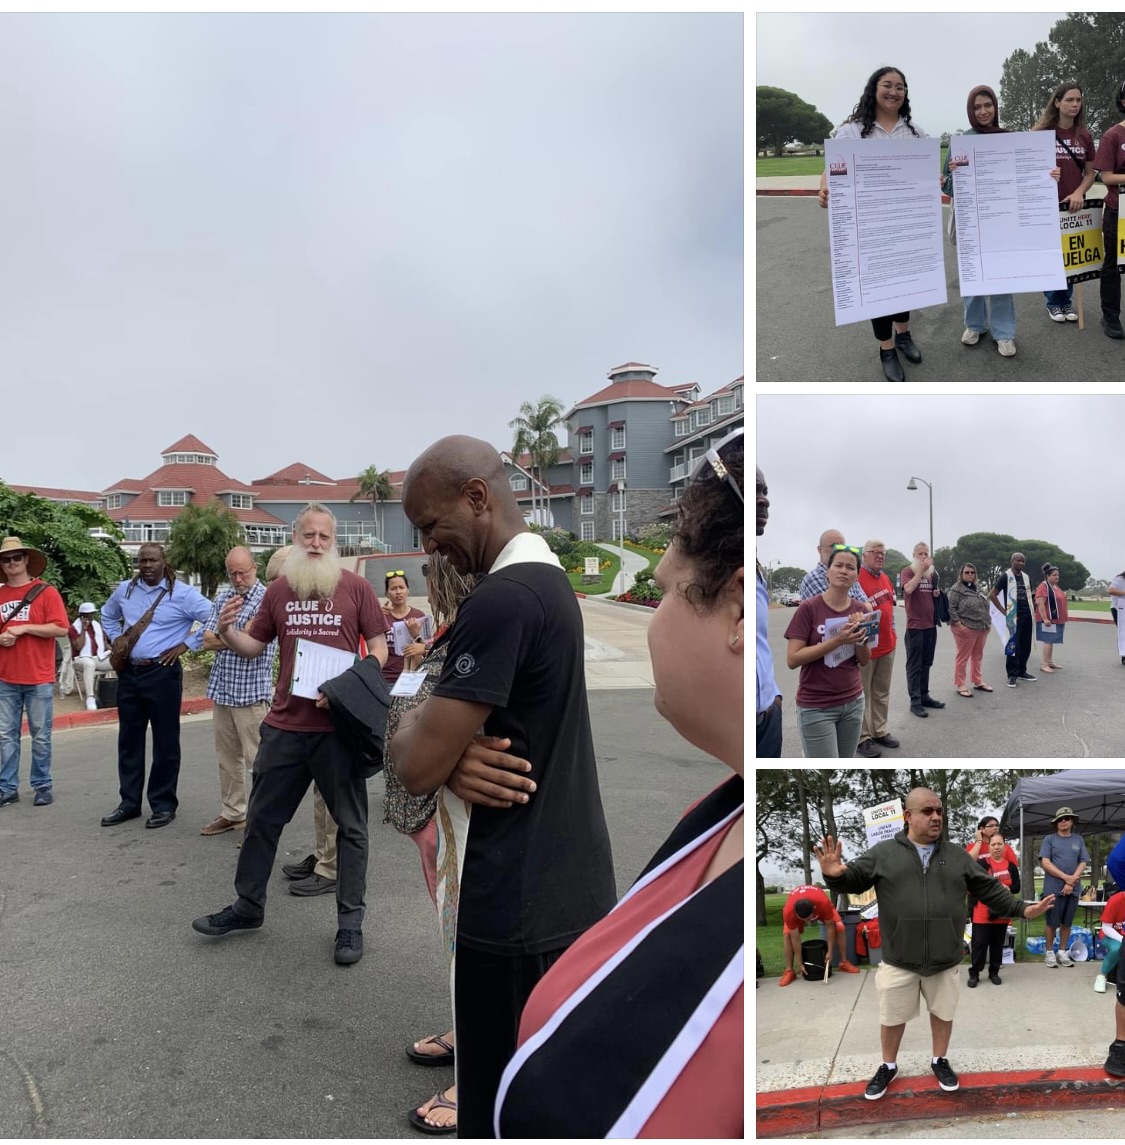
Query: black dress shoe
x=892, y=367
x=119, y=815
x=909, y=351
x=887, y=741
x=160, y=819
x=918, y=710
x=930, y=702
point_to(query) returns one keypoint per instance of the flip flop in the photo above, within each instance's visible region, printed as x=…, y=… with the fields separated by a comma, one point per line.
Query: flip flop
x=446, y=1058
x=982, y=687
x=967, y=695
x=440, y=1101
x=1044, y=668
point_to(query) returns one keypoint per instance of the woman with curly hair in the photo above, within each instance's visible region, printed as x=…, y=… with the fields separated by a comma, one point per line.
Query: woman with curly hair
x=637, y=1030
x=883, y=112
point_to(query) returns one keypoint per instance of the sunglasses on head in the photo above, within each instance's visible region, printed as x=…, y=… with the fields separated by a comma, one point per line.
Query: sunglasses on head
x=718, y=465
x=397, y=572
x=848, y=549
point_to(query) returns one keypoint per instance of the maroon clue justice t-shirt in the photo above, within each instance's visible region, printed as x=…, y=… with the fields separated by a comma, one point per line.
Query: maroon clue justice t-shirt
x=819, y=685
x=338, y=622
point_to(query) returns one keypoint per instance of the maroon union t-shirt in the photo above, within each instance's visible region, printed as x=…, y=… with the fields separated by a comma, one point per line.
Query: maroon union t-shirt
x=920, y=602
x=1081, y=142
x=820, y=686
x=338, y=622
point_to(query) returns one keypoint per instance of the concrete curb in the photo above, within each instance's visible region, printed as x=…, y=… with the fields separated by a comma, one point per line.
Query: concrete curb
x=814, y=1108
x=109, y=716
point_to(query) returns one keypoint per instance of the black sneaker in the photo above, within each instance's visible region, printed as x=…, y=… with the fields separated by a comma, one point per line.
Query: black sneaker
x=1112, y=328
x=8, y=800
x=1011, y=681
x=890, y=741
x=300, y=870
x=349, y=946
x=224, y=922
x=946, y=1078
x=918, y=710
x=1026, y=676
x=877, y=1086
x=973, y=982
x=1115, y=1063
x=930, y=702
x=43, y=797
x=868, y=750
x=995, y=980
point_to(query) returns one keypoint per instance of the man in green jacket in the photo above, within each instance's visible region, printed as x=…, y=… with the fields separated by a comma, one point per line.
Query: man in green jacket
x=920, y=881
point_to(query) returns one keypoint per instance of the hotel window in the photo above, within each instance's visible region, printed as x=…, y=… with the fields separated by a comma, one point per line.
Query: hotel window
x=617, y=470
x=586, y=473
x=681, y=427
x=518, y=483
x=617, y=503
x=587, y=530
x=617, y=523
x=241, y=501
x=171, y=497
x=415, y=538
x=738, y=397
x=587, y=505
x=113, y=501
x=617, y=438
x=702, y=417
x=586, y=442
x=724, y=405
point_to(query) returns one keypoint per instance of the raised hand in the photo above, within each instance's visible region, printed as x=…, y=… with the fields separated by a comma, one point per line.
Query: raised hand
x=1035, y=909
x=829, y=855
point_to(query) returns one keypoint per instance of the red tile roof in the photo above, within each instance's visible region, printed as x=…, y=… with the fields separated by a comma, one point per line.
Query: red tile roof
x=292, y=474
x=204, y=481
x=626, y=391
x=84, y=495
x=189, y=444
x=338, y=492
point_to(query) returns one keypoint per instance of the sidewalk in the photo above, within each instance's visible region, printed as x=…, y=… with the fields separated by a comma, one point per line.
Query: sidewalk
x=1037, y=1042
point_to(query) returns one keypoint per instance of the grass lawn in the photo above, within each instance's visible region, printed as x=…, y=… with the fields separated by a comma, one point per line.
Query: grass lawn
x=795, y=165
x=1089, y=606
x=604, y=585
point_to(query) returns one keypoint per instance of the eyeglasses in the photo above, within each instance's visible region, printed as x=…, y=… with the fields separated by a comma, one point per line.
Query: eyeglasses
x=718, y=465
x=397, y=572
x=926, y=810
x=971, y=572
x=848, y=549
x=240, y=572
x=11, y=558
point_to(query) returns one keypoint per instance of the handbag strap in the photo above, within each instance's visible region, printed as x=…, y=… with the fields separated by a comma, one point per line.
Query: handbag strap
x=142, y=622
x=29, y=596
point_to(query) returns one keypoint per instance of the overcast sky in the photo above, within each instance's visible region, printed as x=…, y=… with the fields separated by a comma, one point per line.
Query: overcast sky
x=338, y=238
x=826, y=58
x=988, y=459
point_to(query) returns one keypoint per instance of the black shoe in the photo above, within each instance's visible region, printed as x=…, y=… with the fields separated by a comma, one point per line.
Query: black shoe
x=887, y=741
x=1115, y=1063
x=1011, y=681
x=909, y=351
x=300, y=870
x=877, y=1086
x=930, y=702
x=44, y=797
x=160, y=818
x=314, y=885
x=224, y=922
x=349, y=946
x=868, y=750
x=1026, y=676
x=994, y=978
x=918, y=710
x=1112, y=328
x=946, y=1078
x=120, y=815
x=8, y=800
x=892, y=367
x=973, y=982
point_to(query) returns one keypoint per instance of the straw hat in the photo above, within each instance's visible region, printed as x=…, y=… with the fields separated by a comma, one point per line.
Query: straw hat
x=36, y=560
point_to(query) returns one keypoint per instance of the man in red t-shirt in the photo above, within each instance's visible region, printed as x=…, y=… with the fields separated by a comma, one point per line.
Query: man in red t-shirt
x=876, y=673
x=316, y=603
x=802, y=905
x=1110, y=162
x=27, y=667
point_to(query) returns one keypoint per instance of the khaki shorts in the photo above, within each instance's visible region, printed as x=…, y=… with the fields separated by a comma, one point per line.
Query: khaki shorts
x=899, y=991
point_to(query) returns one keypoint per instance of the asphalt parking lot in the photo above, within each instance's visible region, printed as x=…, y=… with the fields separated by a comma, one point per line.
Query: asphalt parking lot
x=119, y=1021
x=1075, y=713
x=798, y=340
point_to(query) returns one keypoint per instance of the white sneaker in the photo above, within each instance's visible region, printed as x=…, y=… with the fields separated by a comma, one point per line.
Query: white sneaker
x=91, y=704
x=1065, y=959
x=1006, y=347
x=1099, y=984
x=970, y=338
x=1050, y=960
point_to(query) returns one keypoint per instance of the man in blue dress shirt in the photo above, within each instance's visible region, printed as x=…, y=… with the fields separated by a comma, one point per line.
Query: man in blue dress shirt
x=151, y=686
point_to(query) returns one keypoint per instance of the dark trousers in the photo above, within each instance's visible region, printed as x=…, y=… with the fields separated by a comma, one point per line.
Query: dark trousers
x=1024, y=628
x=149, y=694
x=882, y=326
x=988, y=942
x=769, y=732
x=1111, y=279
x=920, y=645
x=489, y=993
x=286, y=763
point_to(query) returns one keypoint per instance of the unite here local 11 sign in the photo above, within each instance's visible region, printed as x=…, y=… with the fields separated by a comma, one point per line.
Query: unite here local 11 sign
x=883, y=822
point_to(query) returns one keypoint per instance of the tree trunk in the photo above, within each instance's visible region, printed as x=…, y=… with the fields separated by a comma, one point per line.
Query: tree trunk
x=760, y=895
x=802, y=796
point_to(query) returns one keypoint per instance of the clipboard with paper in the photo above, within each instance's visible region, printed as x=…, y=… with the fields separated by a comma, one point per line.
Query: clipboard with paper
x=314, y=663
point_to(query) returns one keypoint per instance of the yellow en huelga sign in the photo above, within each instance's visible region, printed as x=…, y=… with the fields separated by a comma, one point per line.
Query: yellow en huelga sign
x=1081, y=234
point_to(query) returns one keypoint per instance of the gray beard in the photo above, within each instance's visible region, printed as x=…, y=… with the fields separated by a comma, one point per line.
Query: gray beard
x=312, y=578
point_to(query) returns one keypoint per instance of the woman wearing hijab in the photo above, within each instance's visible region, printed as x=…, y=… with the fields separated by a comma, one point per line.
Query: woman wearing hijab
x=969, y=623
x=1050, y=605
x=994, y=312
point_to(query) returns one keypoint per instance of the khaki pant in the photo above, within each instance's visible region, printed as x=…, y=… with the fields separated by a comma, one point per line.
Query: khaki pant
x=324, y=832
x=876, y=676
x=236, y=744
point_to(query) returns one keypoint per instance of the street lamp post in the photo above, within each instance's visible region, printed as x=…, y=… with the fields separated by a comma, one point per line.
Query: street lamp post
x=621, y=530
x=912, y=486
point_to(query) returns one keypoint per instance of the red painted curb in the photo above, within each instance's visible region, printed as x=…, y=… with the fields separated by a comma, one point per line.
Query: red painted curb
x=109, y=715
x=835, y=1106
x=1090, y=619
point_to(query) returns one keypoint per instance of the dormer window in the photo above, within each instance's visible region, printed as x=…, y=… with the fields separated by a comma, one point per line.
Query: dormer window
x=171, y=498
x=241, y=501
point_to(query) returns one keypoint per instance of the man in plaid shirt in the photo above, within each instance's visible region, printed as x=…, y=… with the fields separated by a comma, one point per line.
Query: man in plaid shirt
x=816, y=581
x=241, y=689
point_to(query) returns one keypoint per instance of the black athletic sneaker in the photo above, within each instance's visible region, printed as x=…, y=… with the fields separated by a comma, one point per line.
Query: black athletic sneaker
x=1011, y=681
x=227, y=920
x=1115, y=1063
x=946, y=1078
x=877, y=1086
x=349, y=946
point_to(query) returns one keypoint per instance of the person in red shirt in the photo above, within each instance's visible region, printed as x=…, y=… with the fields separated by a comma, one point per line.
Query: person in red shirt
x=876, y=673
x=988, y=929
x=1112, y=932
x=978, y=848
x=802, y=905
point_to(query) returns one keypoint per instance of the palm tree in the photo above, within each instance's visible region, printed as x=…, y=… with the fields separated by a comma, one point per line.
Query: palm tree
x=374, y=486
x=199, y=540
x=535, y=435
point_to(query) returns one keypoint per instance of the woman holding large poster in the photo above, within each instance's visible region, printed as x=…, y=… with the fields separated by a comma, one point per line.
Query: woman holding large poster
x=883, y=112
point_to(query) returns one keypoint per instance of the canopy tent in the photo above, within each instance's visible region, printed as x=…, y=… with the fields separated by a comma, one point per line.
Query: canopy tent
x=1096, y=797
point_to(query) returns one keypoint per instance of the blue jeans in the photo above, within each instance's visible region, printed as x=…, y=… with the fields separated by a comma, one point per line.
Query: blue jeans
x=831, y=733
x=1059, y=297
x=992, y=311
x=38, y=699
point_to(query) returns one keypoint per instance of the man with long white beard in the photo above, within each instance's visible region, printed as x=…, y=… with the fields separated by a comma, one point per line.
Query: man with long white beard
x=314, y=602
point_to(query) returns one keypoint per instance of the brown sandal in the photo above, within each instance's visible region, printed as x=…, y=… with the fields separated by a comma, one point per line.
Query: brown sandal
x=982, y=687
x=967, y=695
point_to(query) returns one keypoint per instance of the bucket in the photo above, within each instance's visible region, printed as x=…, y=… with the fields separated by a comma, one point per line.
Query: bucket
x=814, y=952
x=105, y=691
